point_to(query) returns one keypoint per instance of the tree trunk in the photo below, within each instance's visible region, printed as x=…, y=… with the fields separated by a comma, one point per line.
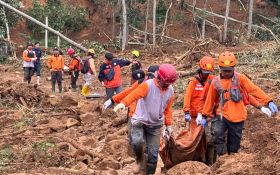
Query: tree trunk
x=113, y=27
x=226, y=20
x=46, y=33
x=124, y=33
x=6, y=24
x=154, y=24
x=251, y=8
x=203, y=21
x=166, y=17
x=146, y=25
x=43, y=25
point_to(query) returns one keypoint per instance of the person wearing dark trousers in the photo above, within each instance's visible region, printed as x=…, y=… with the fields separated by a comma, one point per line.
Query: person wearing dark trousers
x=56, y=64
x=110, y=74
x=74, y=68
x=226, y=91
x=37, y=63
x=29, y=57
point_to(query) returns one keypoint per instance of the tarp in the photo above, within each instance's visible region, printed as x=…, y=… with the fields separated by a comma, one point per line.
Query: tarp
x=189, y=145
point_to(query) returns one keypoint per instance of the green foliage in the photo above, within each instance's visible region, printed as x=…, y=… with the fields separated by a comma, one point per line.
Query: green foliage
x=161, y=11
x=25, y=121
x=134, y=17
x=6, y=155
x=44, y=145
x=266, y=35
x=62, y=18
x=11, y=16
x=141, y=1
x=102, y=2
x=98, y=48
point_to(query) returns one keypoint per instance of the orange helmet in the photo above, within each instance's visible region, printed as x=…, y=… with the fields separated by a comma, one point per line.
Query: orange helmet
x=227, y=60
x=206, y=64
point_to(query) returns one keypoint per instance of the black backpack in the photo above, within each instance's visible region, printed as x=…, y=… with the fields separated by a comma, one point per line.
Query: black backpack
x=84, y=66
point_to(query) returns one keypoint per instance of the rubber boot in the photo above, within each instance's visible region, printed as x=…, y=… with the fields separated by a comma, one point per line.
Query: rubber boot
x=38, y=80
x=85, y=90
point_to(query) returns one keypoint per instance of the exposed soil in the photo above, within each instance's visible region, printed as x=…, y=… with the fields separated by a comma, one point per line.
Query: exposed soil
x=71, y=135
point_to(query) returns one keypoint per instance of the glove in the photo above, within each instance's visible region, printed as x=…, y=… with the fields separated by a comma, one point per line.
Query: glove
x=119, y=106
x=272, y=106
x=187, y=117
x=107, y=104
x=266, y=111
x=198, y=119
x=167, y=132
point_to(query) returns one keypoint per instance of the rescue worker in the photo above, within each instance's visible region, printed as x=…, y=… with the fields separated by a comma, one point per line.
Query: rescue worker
x=110, y=74
x=231, y=112
x=74, y=68
x=136, y=64
x=194, y=91
x=151, y=71
x=154, y=108
x=56, y=64
x=37, y=63
x=138, y=77
x=90, y=74
x=29, y=57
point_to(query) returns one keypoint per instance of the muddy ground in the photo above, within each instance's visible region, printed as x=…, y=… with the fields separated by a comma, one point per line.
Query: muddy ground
x=71, y=135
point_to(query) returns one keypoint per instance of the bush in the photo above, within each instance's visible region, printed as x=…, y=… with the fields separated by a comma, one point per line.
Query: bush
x=62, y=18
x=11, y=16
x=266, y=35
x=161, y=11
x=134, y=17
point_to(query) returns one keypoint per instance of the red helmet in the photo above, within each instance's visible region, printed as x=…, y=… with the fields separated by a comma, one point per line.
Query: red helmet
x=70, y=52
x=167, y=74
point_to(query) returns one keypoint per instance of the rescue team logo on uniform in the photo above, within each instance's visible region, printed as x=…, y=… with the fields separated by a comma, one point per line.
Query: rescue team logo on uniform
x=227, y=62
x=198, y=87
x=209, y=66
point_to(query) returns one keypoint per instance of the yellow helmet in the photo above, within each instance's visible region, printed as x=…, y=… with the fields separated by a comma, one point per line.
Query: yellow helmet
x=91, y=51
x=135, y=53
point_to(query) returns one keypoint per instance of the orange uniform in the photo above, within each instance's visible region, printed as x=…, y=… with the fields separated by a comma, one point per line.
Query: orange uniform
x=148, y=108
x=56, y=63
x=233, y=111
x=250, y=100
x=74, y=64
x=193, y=95
x=120, y=96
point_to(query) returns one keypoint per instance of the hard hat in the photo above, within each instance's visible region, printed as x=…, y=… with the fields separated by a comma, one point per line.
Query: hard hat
x=206, y=64
x=135, y=53
x=91, y=51
x=138, y=74
x=167, y=74
x=227, y=61
x=70, y=51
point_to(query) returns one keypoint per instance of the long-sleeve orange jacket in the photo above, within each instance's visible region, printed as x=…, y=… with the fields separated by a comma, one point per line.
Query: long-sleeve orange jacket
x=193, y=95
x=56, y=63
x=142, y=91
x=232, y=111
x=120, y=96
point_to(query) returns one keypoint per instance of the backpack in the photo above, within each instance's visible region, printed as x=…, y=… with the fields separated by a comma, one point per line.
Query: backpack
x=84, y=65
x=234, y=91
x=30, y=54
x=79, y=67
